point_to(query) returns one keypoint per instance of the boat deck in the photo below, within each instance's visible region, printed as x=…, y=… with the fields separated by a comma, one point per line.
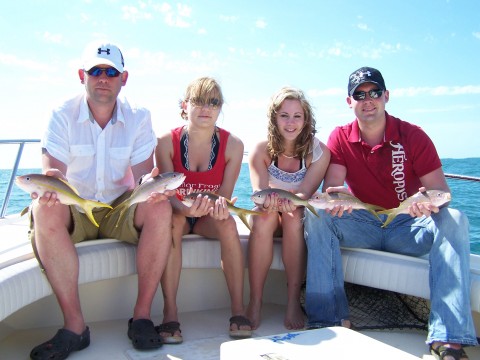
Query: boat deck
x=204, y=330
x=203, y=333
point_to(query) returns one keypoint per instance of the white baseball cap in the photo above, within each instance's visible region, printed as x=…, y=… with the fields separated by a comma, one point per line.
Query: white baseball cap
x=103, y=54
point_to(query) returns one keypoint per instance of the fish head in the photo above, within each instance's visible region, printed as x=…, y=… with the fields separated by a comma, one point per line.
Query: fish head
x=175, y=180
x=317, y=198
x=29, y=183
x=188, y=199
x=259, y=197
x=439, y=198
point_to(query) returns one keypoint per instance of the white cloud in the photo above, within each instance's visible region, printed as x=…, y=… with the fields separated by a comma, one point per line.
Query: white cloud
x=179, y=18
x=314, y=93
x=53, y=38
x=363, y=27
x=134, y=14
x=437, y=91
x=229, y=19
x=261, y=24
x=14, y=61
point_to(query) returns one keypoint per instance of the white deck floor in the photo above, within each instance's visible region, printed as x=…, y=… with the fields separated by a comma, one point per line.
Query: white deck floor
x=203, y=332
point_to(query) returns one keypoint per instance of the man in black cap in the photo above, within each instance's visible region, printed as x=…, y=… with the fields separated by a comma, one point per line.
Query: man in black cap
x=385, y=160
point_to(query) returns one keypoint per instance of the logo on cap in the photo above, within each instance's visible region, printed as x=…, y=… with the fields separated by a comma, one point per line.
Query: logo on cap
x=359, y=76
x=100, y=50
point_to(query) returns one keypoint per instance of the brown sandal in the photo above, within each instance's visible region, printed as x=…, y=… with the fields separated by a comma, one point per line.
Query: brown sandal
x=170, y=328
x=240, y=320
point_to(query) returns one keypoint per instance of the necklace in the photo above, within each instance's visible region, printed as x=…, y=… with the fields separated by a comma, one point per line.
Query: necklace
x=289, y=157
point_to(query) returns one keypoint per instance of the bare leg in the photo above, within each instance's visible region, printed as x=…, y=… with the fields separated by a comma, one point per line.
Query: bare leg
x=232, y=258
x=260, y=255
x=171, y=275
x=154, y=246
x=294, y=259
x=60, y=260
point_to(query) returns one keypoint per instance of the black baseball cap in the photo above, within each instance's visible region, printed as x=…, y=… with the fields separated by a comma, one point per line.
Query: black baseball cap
x=365, y=75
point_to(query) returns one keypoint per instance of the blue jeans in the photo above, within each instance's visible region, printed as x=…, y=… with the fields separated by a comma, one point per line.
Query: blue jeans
x=444, y=236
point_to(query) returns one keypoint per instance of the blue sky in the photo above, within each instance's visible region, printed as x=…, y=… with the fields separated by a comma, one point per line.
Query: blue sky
x=428, y=52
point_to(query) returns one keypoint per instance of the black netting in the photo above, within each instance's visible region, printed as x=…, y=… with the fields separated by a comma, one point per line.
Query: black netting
x=372, y=308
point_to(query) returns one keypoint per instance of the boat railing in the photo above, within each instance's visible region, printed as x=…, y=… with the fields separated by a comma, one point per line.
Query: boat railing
x=21, y=144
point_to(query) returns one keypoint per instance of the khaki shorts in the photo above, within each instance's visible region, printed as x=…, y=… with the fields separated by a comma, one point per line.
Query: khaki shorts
x=84, y=230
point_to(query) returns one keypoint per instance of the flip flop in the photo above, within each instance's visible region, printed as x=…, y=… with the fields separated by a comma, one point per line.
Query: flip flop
x=61, y=345
x=240, y=320
x=171, y=328
x=143, y=335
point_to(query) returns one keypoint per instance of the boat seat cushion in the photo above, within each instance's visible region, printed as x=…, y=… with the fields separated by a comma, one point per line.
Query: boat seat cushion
x=22, y=283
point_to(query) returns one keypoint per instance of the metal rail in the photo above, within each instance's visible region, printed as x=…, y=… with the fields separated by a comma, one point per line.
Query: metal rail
x=462, y=177
x=21, y=143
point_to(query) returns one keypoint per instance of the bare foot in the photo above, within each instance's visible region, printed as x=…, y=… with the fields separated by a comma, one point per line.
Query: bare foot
x=253, y=313
x=294, y=317
x=347, y=324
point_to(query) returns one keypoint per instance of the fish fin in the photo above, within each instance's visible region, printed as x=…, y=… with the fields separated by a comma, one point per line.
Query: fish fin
x=251, y=212
x=312, y=209
x=24, y=211
x=70, y=186
x=243, y=216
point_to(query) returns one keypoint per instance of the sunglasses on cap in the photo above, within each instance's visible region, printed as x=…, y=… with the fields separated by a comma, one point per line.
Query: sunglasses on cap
x=96, y=71
x=362, y=95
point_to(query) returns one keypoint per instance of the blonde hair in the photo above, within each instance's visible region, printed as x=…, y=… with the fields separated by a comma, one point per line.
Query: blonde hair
x=304, y=141
x=202, y=88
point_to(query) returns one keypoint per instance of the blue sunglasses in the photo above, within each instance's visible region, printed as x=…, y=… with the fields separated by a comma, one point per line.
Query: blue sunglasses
x=110, y=72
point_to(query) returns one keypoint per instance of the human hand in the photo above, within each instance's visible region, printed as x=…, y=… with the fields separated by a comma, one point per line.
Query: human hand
x=49, y=198
x=271, y=203
x=220, y=209
x=200, y=207
x=339, y=210
x=422, y=209
x=160, y=196
x=286, y=205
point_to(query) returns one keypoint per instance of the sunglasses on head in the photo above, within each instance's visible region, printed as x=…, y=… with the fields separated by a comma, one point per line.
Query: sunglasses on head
x=110, y=72
x=362, y=95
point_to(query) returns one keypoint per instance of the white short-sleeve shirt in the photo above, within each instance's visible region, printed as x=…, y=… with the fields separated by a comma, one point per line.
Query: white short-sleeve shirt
x=99, y=160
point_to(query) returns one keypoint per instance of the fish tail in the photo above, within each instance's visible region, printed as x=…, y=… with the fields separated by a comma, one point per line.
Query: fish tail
x=89, y=205
x=374, y=213
x=243, y=216
x=389, y=219
x=120, y=207
x=312, y=209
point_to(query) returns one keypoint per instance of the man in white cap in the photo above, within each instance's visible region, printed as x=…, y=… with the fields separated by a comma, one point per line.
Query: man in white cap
x=102, y=145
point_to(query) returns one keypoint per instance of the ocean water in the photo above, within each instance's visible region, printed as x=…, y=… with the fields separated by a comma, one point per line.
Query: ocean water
x=465, y=193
